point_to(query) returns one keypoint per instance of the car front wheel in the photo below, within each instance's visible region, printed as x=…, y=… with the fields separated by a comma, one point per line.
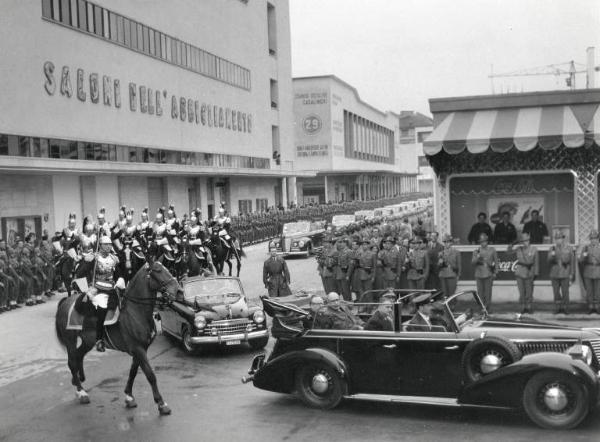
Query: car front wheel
x=555, y=400
x=186, y=342
x=319, y=386
x=258, y=343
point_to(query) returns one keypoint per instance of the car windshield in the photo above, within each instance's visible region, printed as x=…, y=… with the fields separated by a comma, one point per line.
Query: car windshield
x=213, y=291
x=299, y=227
x=466, y=307
x=342, y=220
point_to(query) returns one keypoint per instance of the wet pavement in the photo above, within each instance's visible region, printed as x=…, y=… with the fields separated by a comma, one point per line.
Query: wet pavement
x=37, y=401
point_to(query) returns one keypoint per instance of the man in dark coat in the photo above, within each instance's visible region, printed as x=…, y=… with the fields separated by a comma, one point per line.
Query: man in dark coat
x=537, y=229
x=382, y=319
x=505, y=231
x=481, y=226
x=276, y=276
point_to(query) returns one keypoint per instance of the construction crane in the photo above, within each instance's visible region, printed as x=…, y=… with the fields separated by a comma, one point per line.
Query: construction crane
x=569, y=69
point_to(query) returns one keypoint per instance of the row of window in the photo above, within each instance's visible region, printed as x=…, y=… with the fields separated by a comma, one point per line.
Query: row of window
x=100, y=22
x=366, y=140
x=245, y=206
x=14, y=145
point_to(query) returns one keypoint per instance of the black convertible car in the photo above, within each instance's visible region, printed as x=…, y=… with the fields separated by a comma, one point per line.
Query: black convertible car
x=468, y=359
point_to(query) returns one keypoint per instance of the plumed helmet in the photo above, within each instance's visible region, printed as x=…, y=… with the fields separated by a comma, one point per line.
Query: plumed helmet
x=129, y=214
x=221, y=211
x=102, y=213
x=145, y=214
x=105, y=240
x=160, y=214
x=122, y=211
x=72, y=219
x=171, y=211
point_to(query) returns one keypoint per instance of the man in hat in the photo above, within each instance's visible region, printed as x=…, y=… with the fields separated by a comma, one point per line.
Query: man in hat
x=481, y=226
x=561, y=260
x=449, y=266
x=484, y=259
x=340, y=316
x=590, y=259
x=342, y=268
x=417, y=263
x=276, y=276
x=366, y=262
x=526, y=269
x=536, y=228
x=391, y=263
x=328, y=263
x=421, y=321
x=434, y=248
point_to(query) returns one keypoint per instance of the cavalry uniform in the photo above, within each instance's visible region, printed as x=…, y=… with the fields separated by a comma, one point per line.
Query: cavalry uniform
x=159, y=237
x=484, y=259
x=145, y=229
x=418, y=268
x=590, y=259
x=449, y=268
x=561, y=259
x=195, y=234
x=276, y=277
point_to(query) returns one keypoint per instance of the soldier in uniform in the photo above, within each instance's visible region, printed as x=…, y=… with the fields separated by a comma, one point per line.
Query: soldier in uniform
x=590, y=259
x=367, y=262
x=526, y=270
x=276, y=276
x=6, y=283
x=195, y=232
x=103, y=278
x=160, y=238
x=342, y=269
x=434, y=249
x=328, y=270
x=173, y=227
x=449, y=266
x=145, y=229
x=103, y=227
x=417, y=263
x=561, y=260
x=391, y=263
x=31, y=283
x=353, y=270
x=484, y=259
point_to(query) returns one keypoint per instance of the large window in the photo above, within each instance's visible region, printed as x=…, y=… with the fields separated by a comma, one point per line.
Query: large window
x=93, y=19
x=245, y=206
x=366, y=140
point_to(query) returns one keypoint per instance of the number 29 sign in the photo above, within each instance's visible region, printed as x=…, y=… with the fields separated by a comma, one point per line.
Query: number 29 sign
x=312, y=124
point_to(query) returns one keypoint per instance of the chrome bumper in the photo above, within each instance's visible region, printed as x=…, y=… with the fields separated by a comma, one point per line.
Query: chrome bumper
x=292, y=252
x=220, y=339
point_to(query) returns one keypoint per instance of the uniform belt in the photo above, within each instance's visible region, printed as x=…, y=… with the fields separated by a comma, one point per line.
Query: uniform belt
x=344, y=268
x=366, y=268
x=391, y=268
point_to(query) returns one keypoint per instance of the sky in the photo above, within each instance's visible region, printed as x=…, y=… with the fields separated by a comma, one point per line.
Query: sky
x=400, y=53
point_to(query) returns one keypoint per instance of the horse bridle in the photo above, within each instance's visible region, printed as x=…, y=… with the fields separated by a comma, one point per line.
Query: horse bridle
x=151, y=300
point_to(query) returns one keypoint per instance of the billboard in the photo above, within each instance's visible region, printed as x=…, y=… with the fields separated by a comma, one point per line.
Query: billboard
x=312, y=116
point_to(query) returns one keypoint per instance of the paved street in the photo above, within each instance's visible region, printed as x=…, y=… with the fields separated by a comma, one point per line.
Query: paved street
x=37, y=401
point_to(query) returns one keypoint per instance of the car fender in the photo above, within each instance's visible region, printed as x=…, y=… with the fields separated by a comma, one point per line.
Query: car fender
x=278, y=374
x=504, y=387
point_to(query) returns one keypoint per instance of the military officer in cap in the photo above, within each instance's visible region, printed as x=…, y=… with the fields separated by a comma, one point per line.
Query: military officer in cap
x=561, y=260
x=417, y=263
x=367, y=262
x=342, y=268
x=327, y=263
x=485, y=261
x=276, y=276
x=449, y=266
x=526, y=269
x=391, y=263
x=421, y=321
x=590, y=259
x=103, y=279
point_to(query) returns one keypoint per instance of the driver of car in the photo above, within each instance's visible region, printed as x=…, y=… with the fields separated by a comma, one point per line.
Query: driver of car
x=340, y=315
x=422, y=320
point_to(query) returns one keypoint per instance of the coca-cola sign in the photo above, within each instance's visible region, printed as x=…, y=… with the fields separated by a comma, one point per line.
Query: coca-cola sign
x=505, y=266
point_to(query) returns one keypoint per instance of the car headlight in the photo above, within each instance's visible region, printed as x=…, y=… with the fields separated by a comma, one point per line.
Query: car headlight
x=258, y=317
x=200, y=322
x=581, y=352
x=301, y=243
x=272, y=244
x=295, y=243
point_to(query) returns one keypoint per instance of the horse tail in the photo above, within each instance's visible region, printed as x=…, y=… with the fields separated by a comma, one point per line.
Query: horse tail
x=58, y=323
x=241, y=251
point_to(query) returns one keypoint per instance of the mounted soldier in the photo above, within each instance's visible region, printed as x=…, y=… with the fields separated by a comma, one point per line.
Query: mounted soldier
x=103, y=278
x=160, y=237
x=103, y=227
x=145, y=229
x=131, y=256
x=66, y=245
x=198, y=258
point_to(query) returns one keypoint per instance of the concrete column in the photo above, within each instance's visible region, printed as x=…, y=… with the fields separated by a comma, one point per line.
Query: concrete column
x=177, y=194
x=107, y=195
x=326, y=189
x=66, y=198
x=203, y=196
x=292, y=190
x=284, y=192
x=359, y=180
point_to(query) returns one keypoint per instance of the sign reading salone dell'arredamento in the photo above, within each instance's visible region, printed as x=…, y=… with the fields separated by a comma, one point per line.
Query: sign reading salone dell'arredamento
x=143, y=99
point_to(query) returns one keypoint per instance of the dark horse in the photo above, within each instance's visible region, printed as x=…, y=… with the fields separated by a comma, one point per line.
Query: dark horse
x=131, y=259
x=193, y=260
x=133, y=333
x=222, y=254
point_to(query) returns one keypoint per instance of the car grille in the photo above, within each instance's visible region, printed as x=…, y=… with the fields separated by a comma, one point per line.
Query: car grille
x=229, y=327
x=288, y=244
x=595, y=343
x=528, y=348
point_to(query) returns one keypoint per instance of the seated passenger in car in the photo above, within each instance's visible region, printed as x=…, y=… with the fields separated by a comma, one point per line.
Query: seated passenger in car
x=382, y=319
x=340, y=315
x=318, y=318
x=421, y=321
x=438, y=317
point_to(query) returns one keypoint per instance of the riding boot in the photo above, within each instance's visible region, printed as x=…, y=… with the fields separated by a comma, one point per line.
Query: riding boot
x=100, y=317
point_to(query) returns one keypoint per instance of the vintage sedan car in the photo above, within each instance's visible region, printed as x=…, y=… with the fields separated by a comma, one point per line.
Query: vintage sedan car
x=466, y=358
x=215, y=311
x=299, y=238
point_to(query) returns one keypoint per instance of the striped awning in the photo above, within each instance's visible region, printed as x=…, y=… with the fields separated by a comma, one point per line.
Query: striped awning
x=500, y=129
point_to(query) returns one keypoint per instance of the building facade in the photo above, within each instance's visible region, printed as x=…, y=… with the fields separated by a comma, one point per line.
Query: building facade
x=414, y=129
x=144, y=104
x=351, y=146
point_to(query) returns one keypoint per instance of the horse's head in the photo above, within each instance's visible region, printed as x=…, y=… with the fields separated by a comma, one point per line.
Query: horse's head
x=161, y=280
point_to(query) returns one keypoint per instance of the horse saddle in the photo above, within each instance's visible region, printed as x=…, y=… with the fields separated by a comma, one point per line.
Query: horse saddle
x=75, y=318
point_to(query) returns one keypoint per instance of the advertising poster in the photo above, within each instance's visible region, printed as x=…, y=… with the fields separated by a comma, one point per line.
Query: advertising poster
x=519, y=207
x=312, y=126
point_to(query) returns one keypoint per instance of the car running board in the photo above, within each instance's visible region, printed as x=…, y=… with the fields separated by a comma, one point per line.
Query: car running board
x=422, y=400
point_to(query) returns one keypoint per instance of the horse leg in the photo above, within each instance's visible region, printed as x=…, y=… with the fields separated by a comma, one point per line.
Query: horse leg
x=80, y=354
x=74, y=367
x=129, y=399
x=239, y=266
x=142, y=357
x=230, y=265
